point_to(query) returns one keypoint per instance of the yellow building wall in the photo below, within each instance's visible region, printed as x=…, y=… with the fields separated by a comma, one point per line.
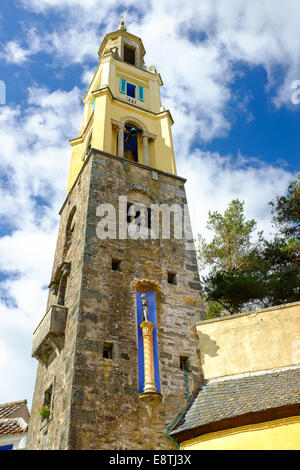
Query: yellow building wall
x=266, y=339
x=111, y=105
x=282, y=434
x=158, y=125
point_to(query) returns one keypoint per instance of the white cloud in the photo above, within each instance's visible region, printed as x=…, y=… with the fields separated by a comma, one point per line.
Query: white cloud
x=34, y=164
x=87, y=76
x=13, y=53
x=213, y=181
x=44, y=5
x=198, y=74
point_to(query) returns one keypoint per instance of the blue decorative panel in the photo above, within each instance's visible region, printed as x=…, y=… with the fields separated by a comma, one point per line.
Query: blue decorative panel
x=122, y=85
x=152, y=318
x=8, y=447
x=141, y=93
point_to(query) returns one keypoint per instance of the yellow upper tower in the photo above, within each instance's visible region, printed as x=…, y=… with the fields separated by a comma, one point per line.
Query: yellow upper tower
x=123, y=114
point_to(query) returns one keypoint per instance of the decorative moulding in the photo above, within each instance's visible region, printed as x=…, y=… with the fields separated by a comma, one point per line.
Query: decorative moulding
x=145, y=285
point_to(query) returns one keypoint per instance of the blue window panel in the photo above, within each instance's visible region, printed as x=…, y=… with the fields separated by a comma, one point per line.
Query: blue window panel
x=152, y=318
x=122, y=85
x=93, y=106
x=141, y=93
x=131, y=90
x=8, y=447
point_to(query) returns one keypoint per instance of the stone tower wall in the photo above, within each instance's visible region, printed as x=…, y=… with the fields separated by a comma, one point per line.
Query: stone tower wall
x=60, y=370
x=96, y=404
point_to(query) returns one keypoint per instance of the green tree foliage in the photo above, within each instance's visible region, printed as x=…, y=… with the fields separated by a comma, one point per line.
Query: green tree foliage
x=286, y=216
x=282, y=254
x=233, y=290
x=245, y=275
x=231, y=255
x=231, y=247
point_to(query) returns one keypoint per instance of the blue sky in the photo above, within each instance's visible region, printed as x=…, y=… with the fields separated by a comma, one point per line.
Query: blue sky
x=227, y=68
x=258, y=127
x=264, y=131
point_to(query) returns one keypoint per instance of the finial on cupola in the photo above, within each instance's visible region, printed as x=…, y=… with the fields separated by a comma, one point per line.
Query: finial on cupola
x=122, y=26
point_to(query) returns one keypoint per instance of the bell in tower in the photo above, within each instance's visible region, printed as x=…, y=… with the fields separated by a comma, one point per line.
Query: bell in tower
x=124, y=293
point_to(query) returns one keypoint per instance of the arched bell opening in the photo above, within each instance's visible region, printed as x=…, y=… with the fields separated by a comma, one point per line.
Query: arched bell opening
x=131, y=142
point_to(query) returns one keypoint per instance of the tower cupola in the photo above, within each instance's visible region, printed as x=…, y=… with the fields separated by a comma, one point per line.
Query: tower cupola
x=123, y=114
x=124, y=46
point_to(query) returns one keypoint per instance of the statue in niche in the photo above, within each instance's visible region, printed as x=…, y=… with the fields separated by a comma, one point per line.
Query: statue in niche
x=145, y=308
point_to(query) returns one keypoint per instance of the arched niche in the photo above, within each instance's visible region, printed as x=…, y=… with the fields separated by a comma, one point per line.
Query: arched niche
x=71, y=222
x=139, y=203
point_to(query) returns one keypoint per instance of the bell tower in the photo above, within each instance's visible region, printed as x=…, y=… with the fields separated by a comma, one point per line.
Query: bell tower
x=124, y=98
x=117, y=349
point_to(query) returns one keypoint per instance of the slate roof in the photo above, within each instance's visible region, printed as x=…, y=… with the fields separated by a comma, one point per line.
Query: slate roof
x=220, y=399
x=12, y=426
x=9, y=425
x=8, y=408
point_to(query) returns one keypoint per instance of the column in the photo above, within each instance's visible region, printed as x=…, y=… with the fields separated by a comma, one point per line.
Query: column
x=145, y=150
x=121, y=142
x=149, y=384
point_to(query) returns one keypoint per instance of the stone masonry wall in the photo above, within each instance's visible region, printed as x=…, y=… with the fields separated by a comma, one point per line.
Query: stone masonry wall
x=96, y=404
x=60, y=370
x=107, y=412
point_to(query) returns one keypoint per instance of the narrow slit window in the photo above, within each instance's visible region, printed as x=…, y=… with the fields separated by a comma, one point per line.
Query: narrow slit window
x=62, y=291
x=172, y=279
x=48, y=397
x=107, y=351
x=70, y=229
x=47, y=404
x=149, y=217
x=184, y=363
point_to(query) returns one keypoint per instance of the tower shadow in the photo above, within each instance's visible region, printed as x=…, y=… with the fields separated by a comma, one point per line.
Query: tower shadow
x=208, y=347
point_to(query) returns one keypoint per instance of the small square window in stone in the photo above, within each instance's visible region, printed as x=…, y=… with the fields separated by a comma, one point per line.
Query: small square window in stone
x=184, y=363
x=116, y=265
x=107, y=351
x=172, y=279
